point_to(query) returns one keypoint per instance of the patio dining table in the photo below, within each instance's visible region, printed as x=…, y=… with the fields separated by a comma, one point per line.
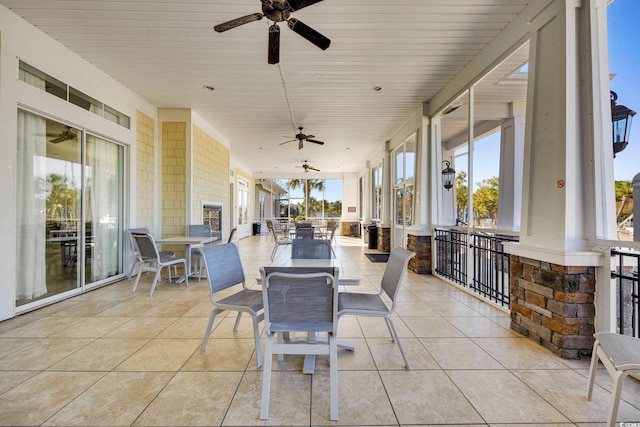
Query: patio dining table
x=189, y=242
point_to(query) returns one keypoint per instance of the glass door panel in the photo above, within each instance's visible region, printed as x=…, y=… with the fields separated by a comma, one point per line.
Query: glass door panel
x=104, y=194
x=69, y=229
x=399, y=206
x=408, y=211
x=49, y=184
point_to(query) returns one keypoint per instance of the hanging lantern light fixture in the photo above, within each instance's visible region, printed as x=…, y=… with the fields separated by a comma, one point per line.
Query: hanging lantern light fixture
x=621, y=117
x=448, y=175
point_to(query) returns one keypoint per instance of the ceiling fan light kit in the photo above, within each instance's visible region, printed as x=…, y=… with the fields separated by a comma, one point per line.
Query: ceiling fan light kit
x=279, y=11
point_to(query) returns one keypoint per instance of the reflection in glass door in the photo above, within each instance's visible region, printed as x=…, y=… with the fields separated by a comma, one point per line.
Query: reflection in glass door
x=69, y=229
x=404, y=188
x=103, y=218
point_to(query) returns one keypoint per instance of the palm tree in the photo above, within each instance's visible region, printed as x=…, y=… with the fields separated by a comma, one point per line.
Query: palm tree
x=307, y=185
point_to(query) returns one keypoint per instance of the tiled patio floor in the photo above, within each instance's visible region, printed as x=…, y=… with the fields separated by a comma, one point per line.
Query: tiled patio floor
x=113, y=358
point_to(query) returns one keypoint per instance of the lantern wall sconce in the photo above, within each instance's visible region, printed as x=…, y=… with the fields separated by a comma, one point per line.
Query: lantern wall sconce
x=448, y=175
x=621, y=117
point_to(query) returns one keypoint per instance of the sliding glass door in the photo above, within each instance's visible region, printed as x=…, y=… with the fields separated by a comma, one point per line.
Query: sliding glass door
x=69, y=209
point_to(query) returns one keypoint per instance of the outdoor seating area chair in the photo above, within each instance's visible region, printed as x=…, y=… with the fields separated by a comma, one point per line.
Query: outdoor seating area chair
x=224, y=270
x=233, y=236
x=300, y=302
x=136, y=252
x=151, y=260
x=311, y=249
x=198, y=230
x=372, y=305
x=330, y=234
x=304, y=233
x=270, y=228
x=278, y=241
x=620, y=355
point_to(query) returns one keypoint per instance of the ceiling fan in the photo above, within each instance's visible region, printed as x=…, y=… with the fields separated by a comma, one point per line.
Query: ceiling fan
x=278, y=11
x=307, y=167
x=301, y=137
x=65, y=135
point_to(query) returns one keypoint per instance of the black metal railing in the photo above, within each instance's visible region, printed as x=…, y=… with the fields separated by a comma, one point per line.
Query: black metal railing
x=451, y=255
x=490, y=264
x=625, y=273
x=491, y=267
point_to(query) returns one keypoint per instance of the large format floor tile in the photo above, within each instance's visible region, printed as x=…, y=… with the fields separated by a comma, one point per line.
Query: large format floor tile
x=111, y=357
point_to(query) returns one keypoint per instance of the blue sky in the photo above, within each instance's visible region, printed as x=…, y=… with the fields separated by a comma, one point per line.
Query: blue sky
x=624, y=62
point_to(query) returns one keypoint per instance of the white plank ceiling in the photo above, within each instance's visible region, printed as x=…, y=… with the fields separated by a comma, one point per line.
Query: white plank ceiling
x=167, y=50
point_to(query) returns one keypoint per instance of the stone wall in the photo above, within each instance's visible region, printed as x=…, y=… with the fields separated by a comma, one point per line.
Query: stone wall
x=421, y=245
x=384, y=239
x=553, y=305
x=345, y=228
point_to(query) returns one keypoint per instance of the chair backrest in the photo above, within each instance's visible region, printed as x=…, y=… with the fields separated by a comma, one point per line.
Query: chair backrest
x=300, y=299
x=269, y=225
x=223, y=265
x=311, y=249
x=146, y=246
x=233, y=236
x=134, y=245
x=393, y=273
x=332, y=229
x=303, y=224
x=199, y=230
x=304, y=233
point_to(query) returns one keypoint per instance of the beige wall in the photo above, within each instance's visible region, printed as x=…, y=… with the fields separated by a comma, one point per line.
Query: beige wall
x=145, y=140
x=174, y=178
x=210, y=174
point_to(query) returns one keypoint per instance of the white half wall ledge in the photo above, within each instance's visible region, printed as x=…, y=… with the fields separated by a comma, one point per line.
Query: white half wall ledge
x=564, y=258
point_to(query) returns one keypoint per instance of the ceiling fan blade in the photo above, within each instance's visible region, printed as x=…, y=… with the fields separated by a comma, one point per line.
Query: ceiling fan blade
x=237, y=22
x=300, y=144
x=274, y=44
x=314, y=169
x=299, y=4
x=309, y=33
x=286, y=142
x=58, y=139
x=315, y=141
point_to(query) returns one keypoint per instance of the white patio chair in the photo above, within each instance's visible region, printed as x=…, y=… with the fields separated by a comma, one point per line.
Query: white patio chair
x=620, y=355
x=224, y=270
x=300, y=302
x=372, y=305
x=151, y=260
x=136, y=252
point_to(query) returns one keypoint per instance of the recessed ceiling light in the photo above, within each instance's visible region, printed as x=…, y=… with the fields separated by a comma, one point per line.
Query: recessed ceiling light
x=348, y=148
x=377, y=88
x=208, y=87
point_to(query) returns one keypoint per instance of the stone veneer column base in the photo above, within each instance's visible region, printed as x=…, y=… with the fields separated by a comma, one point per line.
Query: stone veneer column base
x=553, y=305
x=384, y=239
x=421, y=245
